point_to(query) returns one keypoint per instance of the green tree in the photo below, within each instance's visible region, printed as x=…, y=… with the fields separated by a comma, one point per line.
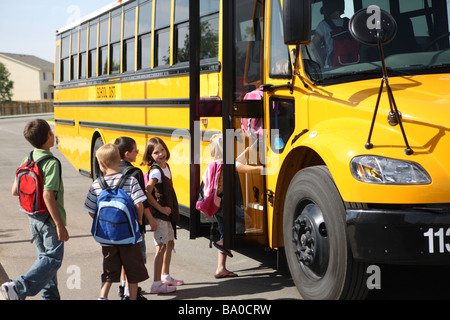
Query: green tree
x=6, y=85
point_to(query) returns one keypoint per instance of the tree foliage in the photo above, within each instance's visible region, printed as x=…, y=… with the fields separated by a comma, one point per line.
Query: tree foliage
x=6, y=85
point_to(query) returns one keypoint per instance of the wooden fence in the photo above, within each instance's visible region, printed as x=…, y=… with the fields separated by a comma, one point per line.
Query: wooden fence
x=19, y=108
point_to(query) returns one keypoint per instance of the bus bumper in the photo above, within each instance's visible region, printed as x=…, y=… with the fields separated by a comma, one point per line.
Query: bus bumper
x=400, y=236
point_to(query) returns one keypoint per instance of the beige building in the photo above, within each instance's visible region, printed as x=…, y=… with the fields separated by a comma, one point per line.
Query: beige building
x=33, y=77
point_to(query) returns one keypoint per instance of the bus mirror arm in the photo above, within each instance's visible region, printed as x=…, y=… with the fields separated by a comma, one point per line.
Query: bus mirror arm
x=394, y=117
x=378, y=35
x=270, y=87
x=295, y=55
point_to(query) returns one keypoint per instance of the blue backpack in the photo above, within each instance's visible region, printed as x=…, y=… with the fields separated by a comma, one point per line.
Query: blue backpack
x=116, y=220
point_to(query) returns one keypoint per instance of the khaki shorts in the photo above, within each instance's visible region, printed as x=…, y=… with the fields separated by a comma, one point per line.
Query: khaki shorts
x=164, y=233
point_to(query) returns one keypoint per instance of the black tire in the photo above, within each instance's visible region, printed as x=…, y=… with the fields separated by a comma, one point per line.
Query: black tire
x=96, y=172
x=315, y=239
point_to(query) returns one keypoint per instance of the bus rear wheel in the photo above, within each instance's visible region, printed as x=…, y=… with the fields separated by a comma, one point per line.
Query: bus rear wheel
x=315, y=240
x=96, y=172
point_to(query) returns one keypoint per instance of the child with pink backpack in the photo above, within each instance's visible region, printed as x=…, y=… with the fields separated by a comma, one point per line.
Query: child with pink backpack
x=210, y=201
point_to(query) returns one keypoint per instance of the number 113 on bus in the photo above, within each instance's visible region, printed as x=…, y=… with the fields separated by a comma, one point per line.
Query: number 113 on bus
x=431, y=234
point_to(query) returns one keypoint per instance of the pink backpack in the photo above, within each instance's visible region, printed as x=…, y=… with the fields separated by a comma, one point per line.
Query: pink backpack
x=208, y=201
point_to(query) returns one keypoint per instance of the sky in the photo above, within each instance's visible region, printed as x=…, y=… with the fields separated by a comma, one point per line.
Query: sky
x=29, y=26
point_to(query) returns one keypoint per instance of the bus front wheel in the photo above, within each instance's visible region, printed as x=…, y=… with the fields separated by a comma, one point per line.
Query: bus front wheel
x=315, y=241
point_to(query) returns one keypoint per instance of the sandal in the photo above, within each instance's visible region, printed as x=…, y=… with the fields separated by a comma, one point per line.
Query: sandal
x=226, y=275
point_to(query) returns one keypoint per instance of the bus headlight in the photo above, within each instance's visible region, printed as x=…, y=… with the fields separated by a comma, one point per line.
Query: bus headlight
x=380, y=170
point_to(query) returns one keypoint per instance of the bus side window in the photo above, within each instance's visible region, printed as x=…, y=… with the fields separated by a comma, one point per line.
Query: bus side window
x=181, y=27
x=92, y=57
x=116, y=27
x=129, y=32
x=209, y=20
x=74, y=56
x=162, y=33
x=83, y=44
x=65, y=57
x=145, y=36
x=103, y=46
x=57, y=64
x=280, y=66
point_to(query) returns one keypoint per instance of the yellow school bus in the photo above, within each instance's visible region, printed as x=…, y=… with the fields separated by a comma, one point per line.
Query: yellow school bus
x=335, y=119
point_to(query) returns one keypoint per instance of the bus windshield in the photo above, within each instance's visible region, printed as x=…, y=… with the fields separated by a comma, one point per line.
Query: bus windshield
x=421, y=45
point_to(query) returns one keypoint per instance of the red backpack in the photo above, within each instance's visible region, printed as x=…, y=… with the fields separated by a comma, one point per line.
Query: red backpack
x=30, y=186
x=345, y=47
x=208, y=201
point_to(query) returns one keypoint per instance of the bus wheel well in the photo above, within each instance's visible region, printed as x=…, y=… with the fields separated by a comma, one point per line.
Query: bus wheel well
x=299, y=158
x=96, y=143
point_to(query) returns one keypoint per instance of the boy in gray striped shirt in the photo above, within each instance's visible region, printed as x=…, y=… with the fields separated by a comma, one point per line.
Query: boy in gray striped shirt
x=116, y=256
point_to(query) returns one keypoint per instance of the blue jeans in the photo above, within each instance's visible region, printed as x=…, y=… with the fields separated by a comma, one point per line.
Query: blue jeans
x=42, y=275
x=219, y=219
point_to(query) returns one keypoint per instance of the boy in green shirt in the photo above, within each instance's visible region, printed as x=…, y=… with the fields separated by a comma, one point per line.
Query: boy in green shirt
x=49, y=232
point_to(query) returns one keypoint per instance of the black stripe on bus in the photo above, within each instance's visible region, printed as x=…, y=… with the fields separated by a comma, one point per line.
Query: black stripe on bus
x=158, y=131
x=135, y=128
x=126, y=103
x=66, y=122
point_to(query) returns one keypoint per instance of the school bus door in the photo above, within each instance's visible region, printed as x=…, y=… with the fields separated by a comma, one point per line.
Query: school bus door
x=250, y=223
x=246, y=138
x=244, y=193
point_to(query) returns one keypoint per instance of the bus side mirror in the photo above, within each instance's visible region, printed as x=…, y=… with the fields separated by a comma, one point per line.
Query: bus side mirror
x=373, y=26
x=297, y=21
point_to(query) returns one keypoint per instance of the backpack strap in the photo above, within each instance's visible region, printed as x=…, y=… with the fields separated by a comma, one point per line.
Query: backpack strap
x=102, y=182
x=30, y=160
x=330, y=23
x=121, y=182
x=128, y=171
x=155, y=166
x=346, y=23
x=105, y=186
x=333, y=25
x=214, y=176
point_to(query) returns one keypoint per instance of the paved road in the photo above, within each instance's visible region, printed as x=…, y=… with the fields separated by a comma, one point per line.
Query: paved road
x=194, y=261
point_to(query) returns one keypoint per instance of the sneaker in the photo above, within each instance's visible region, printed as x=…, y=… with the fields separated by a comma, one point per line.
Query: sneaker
x=139, y=294
x=121, y=291
x=171, y=281
x=162, y=288
x=9, y=291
